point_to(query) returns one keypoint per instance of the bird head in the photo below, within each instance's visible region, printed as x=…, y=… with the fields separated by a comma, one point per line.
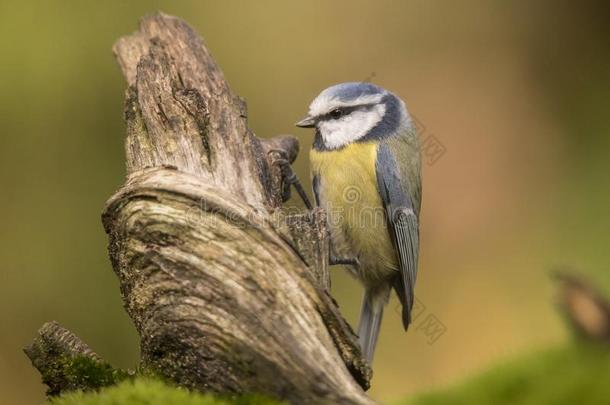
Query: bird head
x=349, y=112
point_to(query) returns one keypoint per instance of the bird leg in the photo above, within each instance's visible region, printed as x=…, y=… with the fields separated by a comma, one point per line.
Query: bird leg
x=334, y=260
x=290, y=178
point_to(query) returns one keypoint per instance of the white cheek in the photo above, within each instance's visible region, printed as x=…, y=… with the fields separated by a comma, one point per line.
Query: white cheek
x=338, y=133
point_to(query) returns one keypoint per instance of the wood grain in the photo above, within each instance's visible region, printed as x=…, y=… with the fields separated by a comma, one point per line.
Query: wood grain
x=227, y=293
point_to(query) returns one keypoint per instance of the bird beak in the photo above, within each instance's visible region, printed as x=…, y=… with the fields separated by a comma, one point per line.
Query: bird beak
x=307, y=122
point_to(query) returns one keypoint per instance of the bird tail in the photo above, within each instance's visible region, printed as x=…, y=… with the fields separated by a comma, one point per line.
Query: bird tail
x=370, y=322
x=399, y=287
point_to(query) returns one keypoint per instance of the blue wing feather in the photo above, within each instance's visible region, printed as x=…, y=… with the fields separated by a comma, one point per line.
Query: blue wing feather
x=401, y=214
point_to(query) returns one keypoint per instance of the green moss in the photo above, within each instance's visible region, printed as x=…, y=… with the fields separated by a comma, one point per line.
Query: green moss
x=81, y=373
x=572, y=374
x=569, y=375
x=148, y=391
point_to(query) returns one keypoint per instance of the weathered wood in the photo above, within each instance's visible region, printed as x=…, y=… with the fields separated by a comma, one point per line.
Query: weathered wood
x=180, y=111
x=66, y=363
x=228, y=291
x=225, y=297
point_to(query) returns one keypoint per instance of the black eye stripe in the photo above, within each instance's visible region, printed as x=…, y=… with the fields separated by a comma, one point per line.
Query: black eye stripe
x=339, y=112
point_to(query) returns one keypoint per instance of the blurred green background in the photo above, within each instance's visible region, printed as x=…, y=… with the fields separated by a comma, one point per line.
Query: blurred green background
x=516, y=93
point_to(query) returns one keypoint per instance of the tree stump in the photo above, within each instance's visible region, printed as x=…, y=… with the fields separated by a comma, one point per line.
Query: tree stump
x=228, y=293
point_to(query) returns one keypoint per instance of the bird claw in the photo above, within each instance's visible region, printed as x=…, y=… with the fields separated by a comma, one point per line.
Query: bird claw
x=291, y=179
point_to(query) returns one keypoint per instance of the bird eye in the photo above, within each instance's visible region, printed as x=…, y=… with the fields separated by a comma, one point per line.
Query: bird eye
x=336, y=113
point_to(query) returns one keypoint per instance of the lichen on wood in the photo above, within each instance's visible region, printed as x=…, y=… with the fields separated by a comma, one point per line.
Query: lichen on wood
x=66, y=363
x=227, y=293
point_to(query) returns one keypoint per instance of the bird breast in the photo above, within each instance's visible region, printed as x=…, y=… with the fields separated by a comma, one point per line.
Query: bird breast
x=347, y=189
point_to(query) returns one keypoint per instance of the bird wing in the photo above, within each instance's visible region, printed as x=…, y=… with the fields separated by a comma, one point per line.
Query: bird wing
x=399, y=187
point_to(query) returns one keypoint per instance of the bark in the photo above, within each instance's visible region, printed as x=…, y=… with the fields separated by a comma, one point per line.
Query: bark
x=66, y=363
x=227, y=291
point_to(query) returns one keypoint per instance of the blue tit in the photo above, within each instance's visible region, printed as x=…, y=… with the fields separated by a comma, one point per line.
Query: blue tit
x=366, y=172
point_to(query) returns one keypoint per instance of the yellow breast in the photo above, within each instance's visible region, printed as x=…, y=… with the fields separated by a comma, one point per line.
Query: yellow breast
x=348, y=191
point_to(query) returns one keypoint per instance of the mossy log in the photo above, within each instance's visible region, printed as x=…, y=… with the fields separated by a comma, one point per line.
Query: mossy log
x=228, y=293
x=66, y=363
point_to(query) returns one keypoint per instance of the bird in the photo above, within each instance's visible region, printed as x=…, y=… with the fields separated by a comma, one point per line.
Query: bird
x=366, y=172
